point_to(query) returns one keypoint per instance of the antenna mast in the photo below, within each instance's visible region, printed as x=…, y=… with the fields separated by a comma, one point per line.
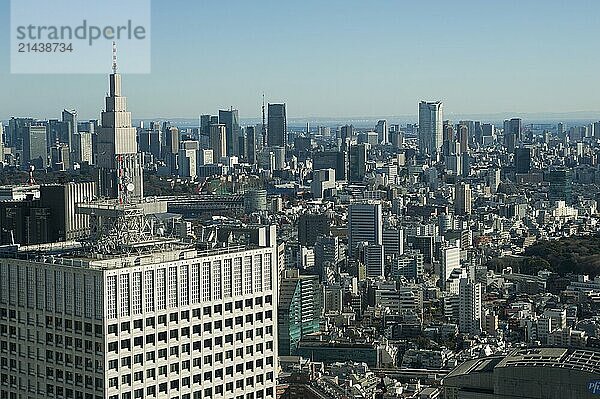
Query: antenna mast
x=264, y=125
x=114, y=57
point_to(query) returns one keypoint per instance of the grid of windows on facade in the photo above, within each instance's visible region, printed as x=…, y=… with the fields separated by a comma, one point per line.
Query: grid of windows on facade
x=199, y=334
x=45, y=288
x=217, y=351
x=44, y=355
x=168, y=287
x=51, y=332
x=159, y=339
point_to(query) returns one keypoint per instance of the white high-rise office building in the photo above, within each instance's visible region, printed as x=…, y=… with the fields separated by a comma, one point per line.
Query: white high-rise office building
x=175, y=323
x=188, y=158
x=430, y=127
x=365, y=223
x=450, y=261
x=469, y=307
x=218, y=141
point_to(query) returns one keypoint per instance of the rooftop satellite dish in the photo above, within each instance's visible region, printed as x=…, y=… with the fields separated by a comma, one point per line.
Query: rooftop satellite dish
x=130, y=187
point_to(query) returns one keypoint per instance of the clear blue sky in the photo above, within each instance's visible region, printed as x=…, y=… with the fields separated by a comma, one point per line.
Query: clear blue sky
x=341, y=58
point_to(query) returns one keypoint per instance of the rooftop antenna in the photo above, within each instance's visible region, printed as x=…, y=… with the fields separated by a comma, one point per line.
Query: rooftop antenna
x=264, y=125
x=114, y=57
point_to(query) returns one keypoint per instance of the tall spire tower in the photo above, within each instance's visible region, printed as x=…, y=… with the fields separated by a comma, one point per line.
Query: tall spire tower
x=264, y=124
x=114, y=65
x=120, y=165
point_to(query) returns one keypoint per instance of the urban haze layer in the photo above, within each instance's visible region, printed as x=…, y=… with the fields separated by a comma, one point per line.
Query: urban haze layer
x=434, y=259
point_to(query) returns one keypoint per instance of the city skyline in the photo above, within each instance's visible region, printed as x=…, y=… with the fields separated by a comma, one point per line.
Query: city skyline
x=223, y=257
x=466, y=65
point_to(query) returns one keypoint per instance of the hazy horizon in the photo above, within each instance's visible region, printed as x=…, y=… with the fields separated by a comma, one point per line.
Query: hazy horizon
x=341, y=58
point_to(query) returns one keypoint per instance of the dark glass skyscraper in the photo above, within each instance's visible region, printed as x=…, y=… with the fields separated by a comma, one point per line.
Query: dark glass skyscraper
x=522, y=160
x=231, y=120
x=560, y=185
x=277, y=126
x=357, y=163
x=70, y=118
x=512, y=133
x=251, y=144
x=346, y=134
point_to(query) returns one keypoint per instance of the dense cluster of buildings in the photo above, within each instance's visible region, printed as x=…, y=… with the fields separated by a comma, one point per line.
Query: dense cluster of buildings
x=336, y=262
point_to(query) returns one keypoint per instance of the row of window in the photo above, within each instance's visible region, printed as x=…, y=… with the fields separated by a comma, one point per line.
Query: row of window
x=59, y=358
x=199, y=378
x=36, y=393
x=218, y=391
x=217, y=325
x=77, y=327
x=197, y=362
x=69, y=393
x=184, y=332
x=13, y=381
x=197, y=313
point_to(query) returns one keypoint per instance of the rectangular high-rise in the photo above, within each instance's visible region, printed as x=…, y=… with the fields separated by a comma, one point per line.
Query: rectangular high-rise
x=61, y=199
x=382, y=132
x=561, y=185
x=16, y=131
x=462, y=199
x=230, y=118
x=205, y=121
x=430, y=127
x=337, y=160
x=35, y=149
x=277, y=126
x=251, y=143
x=450, y=261
x=346, y=135
x=299, y=310
x=357, y=162
x=522, y=160
x=469, y=304
x=70, y=118
x=170, y=324
x=311, y=226
x=512, y=133
x=218, y=141
x=151, y=142
x=365, y=224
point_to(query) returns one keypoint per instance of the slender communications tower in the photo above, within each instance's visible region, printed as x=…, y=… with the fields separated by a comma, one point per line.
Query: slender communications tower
x=264, y=124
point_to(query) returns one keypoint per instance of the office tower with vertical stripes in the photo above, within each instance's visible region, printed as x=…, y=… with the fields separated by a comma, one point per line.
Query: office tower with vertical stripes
x=230, y=118
x=430, y=127
x=177, y=323
x=277, y=125
x=365, y=224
